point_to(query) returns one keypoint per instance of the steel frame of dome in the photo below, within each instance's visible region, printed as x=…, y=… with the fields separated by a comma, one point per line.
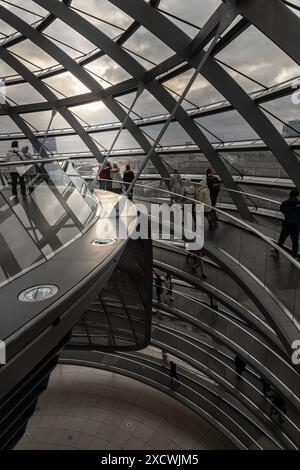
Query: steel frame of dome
x=188, y=53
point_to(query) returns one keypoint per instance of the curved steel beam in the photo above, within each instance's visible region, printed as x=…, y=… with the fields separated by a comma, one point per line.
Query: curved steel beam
x=153, y=374
x=128, y=63
x=167, y=65
x=239, y=339
x=260, y=96
x=45, y=23
x=172, y=36
x=44, y=91
x=87, y=58
x=84, y=77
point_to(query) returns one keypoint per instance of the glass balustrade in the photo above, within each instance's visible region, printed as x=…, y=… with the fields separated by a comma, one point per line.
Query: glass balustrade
x=57, y=209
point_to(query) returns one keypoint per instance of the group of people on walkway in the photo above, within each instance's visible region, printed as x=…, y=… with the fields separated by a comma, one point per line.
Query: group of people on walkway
x=22, y=174
x=110, y=179
x=206, y=192
x=278, y=407
x=162, y=285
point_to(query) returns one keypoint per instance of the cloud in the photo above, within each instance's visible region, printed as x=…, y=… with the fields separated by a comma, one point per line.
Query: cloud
x=251, y=53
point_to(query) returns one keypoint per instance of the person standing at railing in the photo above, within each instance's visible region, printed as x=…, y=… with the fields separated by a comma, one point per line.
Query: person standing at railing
x=197, y=256
x=203, y=196
x=128, y=177
x=213, y=184
x=173, y=374
x=104, y=176
x=176, y=187
x=267, y=388
x=291, y=224
x=16, y=172
x=158, y=285
x=115, y=174
x=278, y=408
x=189, y=190
x=30, y=169
x=169, y=287
x=240, y=365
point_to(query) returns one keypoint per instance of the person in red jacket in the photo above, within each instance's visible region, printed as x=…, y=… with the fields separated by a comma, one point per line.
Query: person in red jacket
x=104, y=176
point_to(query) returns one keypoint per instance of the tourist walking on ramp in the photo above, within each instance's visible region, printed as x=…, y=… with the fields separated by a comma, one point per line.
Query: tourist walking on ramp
x=213, y=184
x=290, y=226
x=128, y=177
x=203, y=196
x=176, y=187
x=16, y=172
x=173, y=374
x=159, y=286
x=240, y=365
x=169, y=287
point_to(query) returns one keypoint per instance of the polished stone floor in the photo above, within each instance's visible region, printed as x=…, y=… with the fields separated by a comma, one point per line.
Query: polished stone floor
x=85, y=408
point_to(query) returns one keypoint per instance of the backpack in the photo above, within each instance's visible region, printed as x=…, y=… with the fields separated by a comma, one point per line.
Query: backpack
x=213, y=183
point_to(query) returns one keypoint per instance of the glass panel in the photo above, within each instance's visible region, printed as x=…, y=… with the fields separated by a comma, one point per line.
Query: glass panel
x=67, y=39
x=81, y=186
x=70, y=197
x=28, y=51
x=229, y=126
x=53, y=211
x=288, y=123
x=23, y=94
x=145, y=106
x=174, y=135
x=95, y=113
x=149, y=47
x=5, y=69
x=27, y=10
x=253, y=54
x=103, y=9
x=192, y=12
x=106, y=71
x=201, y=94
x=67, y=85
x=17, y=250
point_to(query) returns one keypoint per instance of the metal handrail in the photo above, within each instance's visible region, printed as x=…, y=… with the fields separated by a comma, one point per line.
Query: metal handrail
x=241, y=222
x=242, y=193
x=170, y=193
x=34, y=161
x=254, y=195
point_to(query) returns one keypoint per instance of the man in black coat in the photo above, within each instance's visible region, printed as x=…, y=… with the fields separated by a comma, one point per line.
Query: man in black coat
x=240, y=365
x=213, y=184
x=291, y=224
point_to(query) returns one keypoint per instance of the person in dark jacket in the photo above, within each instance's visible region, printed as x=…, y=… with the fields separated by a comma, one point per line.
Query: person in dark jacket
x=173, y=371
x=267, y=388
x=128, y=177
x=158, y=285
x=240, y=365
x=278, y=408
x=174, y=380
x=291, y=224
x=213, y=184
x=16, y=173
x=169, y=286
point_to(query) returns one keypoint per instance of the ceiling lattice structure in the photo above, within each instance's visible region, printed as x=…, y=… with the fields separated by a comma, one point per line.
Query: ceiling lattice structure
x=72, y=70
